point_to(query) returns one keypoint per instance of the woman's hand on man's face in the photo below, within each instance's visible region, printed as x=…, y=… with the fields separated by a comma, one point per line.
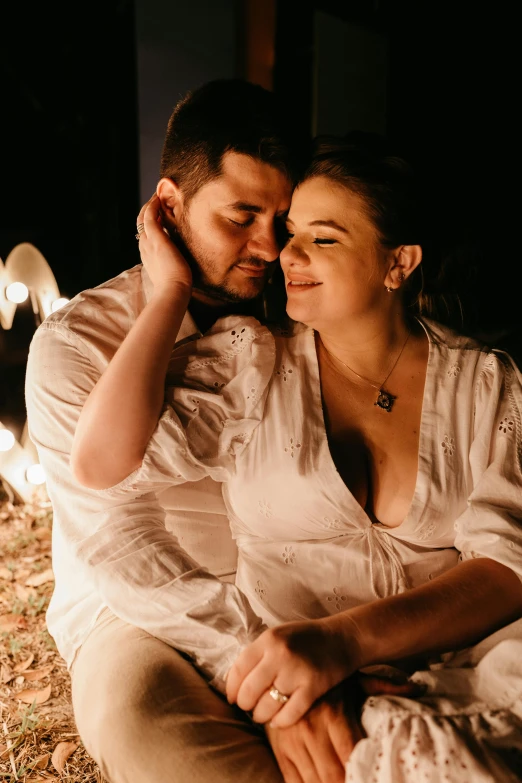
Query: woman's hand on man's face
x=161, y=258
x=302, y=660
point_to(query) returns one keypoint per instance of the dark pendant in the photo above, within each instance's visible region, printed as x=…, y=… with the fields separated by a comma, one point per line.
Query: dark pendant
x=385, y=400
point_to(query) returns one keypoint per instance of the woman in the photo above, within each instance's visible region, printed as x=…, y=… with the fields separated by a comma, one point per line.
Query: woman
x=370, y=462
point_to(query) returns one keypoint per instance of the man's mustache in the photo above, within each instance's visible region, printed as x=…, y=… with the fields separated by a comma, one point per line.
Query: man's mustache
x=255, y=263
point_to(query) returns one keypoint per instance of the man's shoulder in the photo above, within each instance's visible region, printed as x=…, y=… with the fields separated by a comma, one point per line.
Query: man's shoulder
x=122, y=294
x=100, y=317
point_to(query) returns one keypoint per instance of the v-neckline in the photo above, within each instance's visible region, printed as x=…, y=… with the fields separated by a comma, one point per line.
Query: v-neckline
x=362, y=513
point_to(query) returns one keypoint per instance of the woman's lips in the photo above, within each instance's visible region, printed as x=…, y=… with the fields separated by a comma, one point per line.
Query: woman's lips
x=297, y=285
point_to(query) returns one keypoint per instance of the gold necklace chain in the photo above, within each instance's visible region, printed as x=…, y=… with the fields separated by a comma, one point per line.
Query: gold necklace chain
x=385, y=400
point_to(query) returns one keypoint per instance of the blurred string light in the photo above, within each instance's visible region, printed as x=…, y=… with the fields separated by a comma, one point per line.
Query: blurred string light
x=35, y=474
x=25, y=275
x=7, y=440
x=19, y=466
x=58, y=303
x=16, y=293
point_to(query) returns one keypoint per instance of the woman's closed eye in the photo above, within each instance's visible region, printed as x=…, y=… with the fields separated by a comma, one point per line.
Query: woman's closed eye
x=316, y=241
x=324, y=241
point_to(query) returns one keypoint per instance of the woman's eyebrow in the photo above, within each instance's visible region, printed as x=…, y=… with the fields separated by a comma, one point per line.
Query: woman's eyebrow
x=326, y=223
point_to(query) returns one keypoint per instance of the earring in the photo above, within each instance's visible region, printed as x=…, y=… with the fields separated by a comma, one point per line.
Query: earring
x=389, y=289
x=401, y=278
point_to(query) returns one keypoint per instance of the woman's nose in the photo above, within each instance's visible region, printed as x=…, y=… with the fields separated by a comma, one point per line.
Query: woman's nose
x=292, y=254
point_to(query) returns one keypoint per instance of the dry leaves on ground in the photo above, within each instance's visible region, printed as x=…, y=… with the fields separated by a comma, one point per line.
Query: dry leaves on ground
x=39, y=742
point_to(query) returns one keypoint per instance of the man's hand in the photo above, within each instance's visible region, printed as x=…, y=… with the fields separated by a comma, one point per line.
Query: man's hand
x=317, y=747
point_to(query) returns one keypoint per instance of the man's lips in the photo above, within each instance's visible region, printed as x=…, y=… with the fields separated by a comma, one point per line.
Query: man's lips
x=253, y=271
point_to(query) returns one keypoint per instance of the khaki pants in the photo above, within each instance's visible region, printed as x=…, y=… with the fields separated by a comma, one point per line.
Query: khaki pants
x=146, y=715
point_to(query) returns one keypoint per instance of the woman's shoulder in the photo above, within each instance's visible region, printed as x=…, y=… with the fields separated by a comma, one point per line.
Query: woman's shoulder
x=488, y=361
x=445, y=336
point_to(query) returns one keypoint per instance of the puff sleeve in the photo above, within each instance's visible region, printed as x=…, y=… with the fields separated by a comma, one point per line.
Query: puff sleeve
x=491, y=526
x=216, y=390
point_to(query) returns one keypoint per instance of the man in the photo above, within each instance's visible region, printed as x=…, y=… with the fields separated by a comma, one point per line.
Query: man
x=131, y=596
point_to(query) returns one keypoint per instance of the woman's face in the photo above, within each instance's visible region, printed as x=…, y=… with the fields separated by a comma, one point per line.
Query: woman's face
x=334, y=264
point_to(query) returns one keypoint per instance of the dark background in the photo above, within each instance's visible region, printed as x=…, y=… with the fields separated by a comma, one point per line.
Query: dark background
x=80, y=82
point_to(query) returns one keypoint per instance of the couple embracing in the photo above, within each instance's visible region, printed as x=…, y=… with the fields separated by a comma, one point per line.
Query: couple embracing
x=365, y=457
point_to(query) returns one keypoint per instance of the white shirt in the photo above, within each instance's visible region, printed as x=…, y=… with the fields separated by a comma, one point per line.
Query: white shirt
x=247, y=410
x=183, y=526
x=244, y=407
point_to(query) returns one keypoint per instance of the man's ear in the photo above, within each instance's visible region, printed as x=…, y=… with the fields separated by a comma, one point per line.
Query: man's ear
x=170, y=197
x=405, y=259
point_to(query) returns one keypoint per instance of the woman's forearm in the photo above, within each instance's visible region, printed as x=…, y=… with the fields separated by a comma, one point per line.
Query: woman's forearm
x=455, y=610
x=122, y=410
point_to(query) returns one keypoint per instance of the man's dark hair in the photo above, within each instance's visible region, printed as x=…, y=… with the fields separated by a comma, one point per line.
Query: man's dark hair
x=227, y=115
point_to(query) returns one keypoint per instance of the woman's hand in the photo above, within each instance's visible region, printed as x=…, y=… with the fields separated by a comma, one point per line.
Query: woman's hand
x=302, y=660
x=161, y=258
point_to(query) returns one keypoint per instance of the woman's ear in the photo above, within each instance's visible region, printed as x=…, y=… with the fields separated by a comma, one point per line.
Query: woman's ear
x=170, y=197
x=406, y=259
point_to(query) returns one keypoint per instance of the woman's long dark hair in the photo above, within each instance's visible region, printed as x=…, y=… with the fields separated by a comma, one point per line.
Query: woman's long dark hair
x=397, y=205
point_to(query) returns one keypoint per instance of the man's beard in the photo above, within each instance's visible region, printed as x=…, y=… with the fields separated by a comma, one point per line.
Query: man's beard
x=200, y=263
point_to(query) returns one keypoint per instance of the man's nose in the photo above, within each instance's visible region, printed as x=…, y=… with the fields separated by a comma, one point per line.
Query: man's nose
x=264, y=244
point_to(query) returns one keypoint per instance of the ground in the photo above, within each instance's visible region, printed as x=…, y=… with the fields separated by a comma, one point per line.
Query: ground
x=39, y=740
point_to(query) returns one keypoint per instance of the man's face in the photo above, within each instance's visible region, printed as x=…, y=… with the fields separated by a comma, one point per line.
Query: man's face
x=233, y=228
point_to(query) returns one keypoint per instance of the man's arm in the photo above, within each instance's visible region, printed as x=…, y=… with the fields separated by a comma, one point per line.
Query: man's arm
x=136, y=565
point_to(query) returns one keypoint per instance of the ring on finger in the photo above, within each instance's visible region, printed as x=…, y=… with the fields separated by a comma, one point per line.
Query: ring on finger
x=277, y=695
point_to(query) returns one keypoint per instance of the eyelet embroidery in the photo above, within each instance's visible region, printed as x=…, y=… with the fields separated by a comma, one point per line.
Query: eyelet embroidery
x=448, y=444
x=427, y=532
x=242, y=438
x=288, y=556
x=284, y=372
x=196, y=403
x=218, y=385
x=333, y=524
x=454, y=371
x=265, y=509
x=252, y=394
x=237, y=336
x=506, y=425
x=260, y=589
x=290, y=449
x=337, y=598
